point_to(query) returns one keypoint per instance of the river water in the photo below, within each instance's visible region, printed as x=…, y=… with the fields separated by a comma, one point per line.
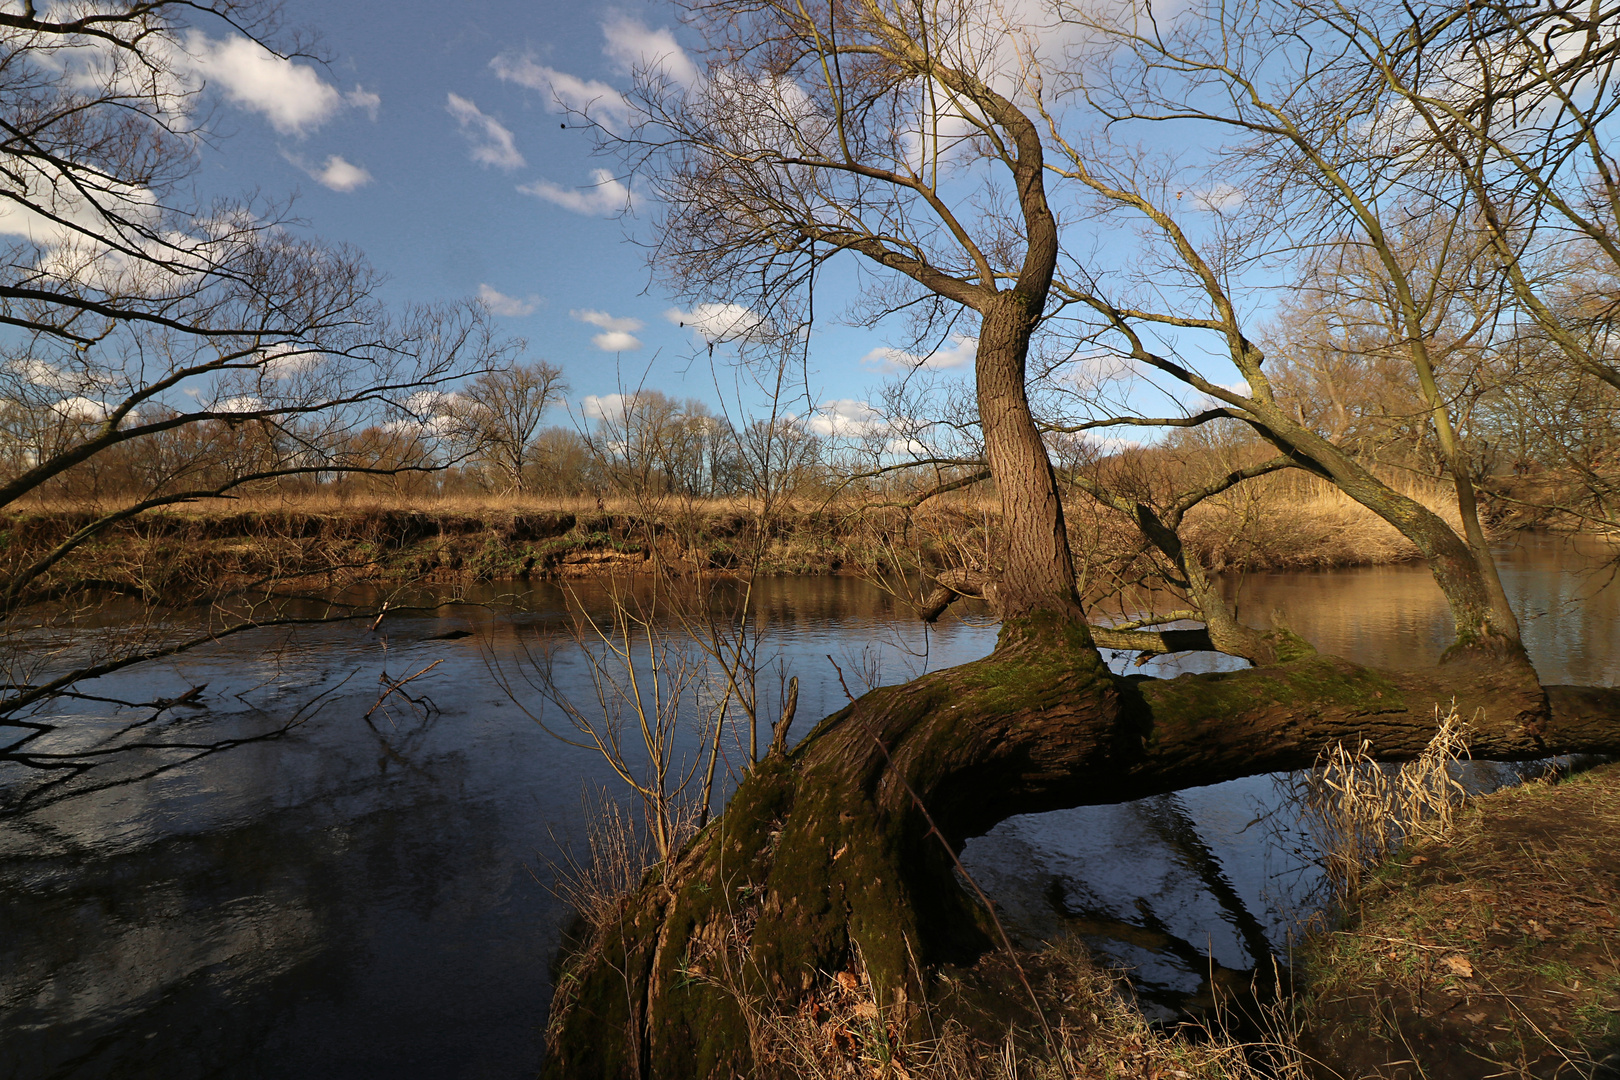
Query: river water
x=365, y=898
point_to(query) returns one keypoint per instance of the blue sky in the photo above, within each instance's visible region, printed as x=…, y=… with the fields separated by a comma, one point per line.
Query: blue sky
x=432, y=141
x=416, y=150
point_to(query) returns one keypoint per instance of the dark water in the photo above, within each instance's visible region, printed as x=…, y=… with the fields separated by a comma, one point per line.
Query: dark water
x=370, y=898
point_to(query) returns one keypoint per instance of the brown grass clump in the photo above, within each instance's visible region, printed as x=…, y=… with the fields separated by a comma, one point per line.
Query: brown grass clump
x=617, y=857
x=1357, y=811
x=980, y=1028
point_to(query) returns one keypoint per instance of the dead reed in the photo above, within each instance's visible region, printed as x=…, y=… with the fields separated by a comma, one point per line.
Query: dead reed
x=1356, y=811
x=1304, y=523
x=617, y=856
x=844, y=1028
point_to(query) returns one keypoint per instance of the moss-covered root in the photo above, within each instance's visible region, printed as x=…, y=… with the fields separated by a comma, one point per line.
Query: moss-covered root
x=827, y=848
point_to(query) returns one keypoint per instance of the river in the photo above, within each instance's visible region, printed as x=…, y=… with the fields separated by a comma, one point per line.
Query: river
x=365, y=898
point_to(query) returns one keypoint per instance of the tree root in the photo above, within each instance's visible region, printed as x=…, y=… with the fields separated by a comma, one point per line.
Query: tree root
x=822, y=850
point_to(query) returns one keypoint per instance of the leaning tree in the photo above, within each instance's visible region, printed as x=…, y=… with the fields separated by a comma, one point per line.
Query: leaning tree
x=931, y=141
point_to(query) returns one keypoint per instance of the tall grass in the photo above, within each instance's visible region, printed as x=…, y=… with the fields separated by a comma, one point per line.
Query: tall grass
x=1357, y=812
x=846, y=1027
x=1302, y=522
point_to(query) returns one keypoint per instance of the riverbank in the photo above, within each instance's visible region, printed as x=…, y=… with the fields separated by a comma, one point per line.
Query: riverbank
x=324, y=543
x=1493, y=952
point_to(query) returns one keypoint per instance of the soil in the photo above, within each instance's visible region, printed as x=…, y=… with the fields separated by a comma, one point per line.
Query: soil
x=1492, y=953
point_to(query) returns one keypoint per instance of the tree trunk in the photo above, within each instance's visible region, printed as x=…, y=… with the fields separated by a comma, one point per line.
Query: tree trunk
x=1037, y=573
x=825, y=850
x=1225, y=633
x=1477, y=609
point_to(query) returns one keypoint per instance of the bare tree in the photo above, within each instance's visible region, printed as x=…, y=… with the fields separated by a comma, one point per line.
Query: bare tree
x=925, y=140
x=208, y=349
x=501, y=411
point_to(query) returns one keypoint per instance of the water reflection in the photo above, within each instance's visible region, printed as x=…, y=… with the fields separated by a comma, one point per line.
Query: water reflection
x=353, y=898
x=1144, y=881
x=371, y=898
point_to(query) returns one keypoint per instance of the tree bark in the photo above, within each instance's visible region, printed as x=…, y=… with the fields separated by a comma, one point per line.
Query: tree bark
x=825, y=850
x=1476, y=607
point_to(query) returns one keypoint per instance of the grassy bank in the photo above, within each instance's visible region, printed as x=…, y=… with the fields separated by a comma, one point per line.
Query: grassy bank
x=1286, y=524
x=1495, y=952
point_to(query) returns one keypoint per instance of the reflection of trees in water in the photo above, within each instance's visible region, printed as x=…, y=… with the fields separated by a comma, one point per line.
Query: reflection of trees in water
x=193, y=955
x=1167, y=820
x=69, y=755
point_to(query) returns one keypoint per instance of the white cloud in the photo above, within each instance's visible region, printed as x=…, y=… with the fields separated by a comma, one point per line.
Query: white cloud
x=82, y=409
x=69, y=383
x=292, y=96
x=616, y=341
x=618, y=335
x=845, y=417
x=1210, y=401
x=605, y=321
x=361, y=98
x=428, y=402
x=340, y=175
x=336, y=173
x=605, y=196
x=242, y=403
x=565, y=93
x=632, y=47
x=1221, y=196
x=491, y=142
x=432, y=414
x=611, y=407
x=723, y=322
x=963, y=351
x=284, y=360
x=512, y=307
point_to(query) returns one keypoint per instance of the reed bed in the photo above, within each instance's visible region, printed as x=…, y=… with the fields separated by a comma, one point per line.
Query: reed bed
x=1304, y=523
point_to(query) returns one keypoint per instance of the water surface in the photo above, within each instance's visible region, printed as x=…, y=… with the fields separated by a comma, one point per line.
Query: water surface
x=372, y=898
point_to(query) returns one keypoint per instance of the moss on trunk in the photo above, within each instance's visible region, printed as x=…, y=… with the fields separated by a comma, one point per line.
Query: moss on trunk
x=825, y=849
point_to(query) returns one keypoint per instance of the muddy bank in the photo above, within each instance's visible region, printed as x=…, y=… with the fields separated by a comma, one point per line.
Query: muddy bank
x=197, y=552
x=1493, y=953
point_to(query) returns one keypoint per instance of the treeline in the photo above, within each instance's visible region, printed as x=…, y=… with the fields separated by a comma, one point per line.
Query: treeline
x=1547, y=448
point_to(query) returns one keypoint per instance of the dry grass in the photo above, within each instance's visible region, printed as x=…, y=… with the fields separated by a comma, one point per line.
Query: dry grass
x=1494, y=952
x=379, y=538
x=336, y=502
x=844, y=1028
x=1357, y=811
x=1304, y=523
x=617, y=857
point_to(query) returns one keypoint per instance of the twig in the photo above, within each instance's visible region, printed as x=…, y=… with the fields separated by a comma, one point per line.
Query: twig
x=398, y=688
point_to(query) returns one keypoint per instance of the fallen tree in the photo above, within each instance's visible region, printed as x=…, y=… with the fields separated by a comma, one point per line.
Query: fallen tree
x=828, y=848
x=845, y=844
